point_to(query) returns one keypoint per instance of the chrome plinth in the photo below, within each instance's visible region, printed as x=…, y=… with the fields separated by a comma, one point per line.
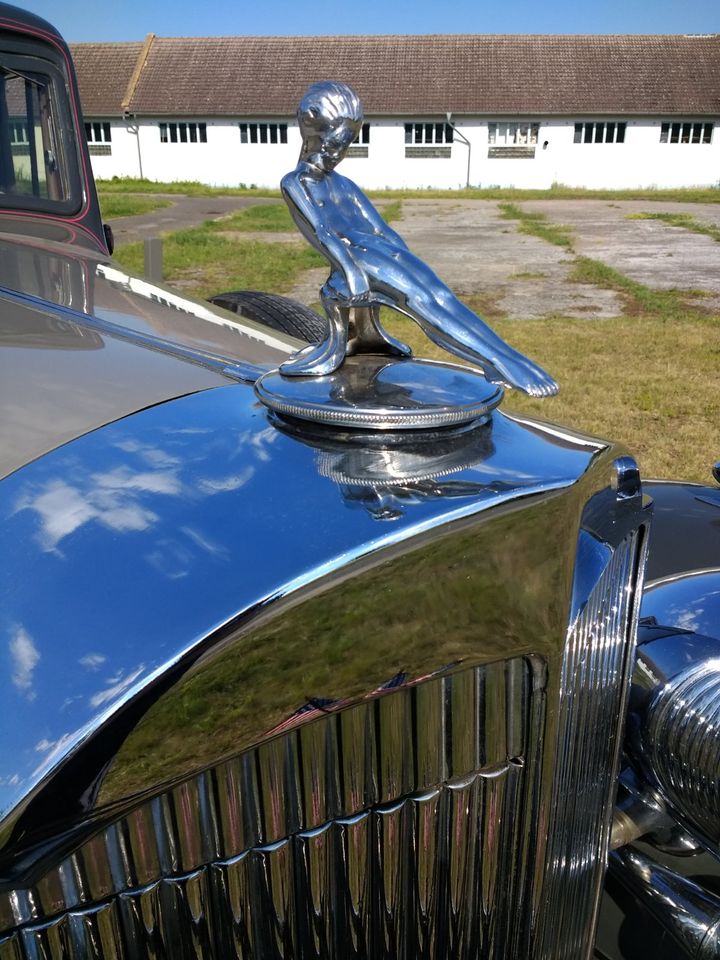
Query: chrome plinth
x=381, y=393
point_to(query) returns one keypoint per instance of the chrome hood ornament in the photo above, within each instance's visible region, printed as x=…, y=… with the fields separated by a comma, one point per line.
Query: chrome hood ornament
x=371, y=266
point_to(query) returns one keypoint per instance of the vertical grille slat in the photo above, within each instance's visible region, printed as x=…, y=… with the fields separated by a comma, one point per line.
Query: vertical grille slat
x=591, y=700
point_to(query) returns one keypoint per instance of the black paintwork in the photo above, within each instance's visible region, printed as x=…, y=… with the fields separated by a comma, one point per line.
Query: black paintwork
x=685, y=536
x=685, y=530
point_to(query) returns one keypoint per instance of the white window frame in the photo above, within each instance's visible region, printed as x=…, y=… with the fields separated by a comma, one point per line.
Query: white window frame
x=98, y=131
x=184, y=132
x=513, y=133
x=600, y=131
x=686, y=131
x=263, y=133
x=422, y=134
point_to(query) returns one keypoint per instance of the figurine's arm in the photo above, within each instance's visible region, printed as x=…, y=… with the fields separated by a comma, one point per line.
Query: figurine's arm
x=303, y=206
x=379, y=226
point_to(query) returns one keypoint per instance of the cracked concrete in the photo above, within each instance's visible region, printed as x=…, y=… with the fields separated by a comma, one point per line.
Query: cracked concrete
x=475, y=250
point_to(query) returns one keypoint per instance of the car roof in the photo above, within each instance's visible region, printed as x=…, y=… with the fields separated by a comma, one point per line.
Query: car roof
x=24, y=18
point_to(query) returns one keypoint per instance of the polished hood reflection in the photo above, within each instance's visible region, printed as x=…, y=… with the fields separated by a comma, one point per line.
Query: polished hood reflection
x=384, y=474
x=133, y=545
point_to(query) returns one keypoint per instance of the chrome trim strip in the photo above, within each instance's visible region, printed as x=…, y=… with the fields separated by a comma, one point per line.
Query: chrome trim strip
x=593, y=693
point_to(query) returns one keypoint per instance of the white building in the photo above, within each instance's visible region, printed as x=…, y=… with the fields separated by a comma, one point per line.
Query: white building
x=441, y=111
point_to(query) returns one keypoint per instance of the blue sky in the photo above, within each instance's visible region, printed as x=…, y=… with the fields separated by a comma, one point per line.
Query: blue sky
x=132, y=19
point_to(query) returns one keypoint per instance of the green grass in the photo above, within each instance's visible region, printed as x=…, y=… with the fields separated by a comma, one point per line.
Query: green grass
x=275, y=218
x=204, y=262
x=537, y=225
x=114, y=206
x=683, y=220
x=556, y=192
x=208, y=259
x=639, y=299
x=190, y=188
x=267, y=217
x=392, y=211
x=646, y=380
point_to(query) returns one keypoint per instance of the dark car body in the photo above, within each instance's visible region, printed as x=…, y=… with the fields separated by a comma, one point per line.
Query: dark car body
x=273, y=691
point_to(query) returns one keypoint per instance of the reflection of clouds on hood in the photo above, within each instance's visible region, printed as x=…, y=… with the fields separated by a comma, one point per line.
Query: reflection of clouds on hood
x=201, y=541
x=687, y=619
x=25, y=658
x=257, y=442
x=111, y=498
x=150, y=481
x=171, y=558
x=212, y=485
x=118, y=684
x=10, y=781
x=155, y=457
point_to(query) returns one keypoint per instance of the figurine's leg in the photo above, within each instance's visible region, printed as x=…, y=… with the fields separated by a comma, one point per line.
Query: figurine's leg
x=417, y=291
x=368, y=336
x=319, y=359
x=455, y=328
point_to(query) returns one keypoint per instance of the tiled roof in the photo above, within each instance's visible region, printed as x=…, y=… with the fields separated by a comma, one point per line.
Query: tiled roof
x=104, y=71
x=411, y=75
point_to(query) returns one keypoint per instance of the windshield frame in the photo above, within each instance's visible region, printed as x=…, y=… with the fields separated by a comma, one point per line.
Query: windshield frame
x=25, y=56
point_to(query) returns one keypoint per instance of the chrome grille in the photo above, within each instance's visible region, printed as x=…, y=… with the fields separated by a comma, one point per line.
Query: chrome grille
x=592, y=699
x=461, y=813
x=401, y=826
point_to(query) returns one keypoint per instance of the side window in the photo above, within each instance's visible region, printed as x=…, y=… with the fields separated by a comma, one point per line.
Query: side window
x=31, y=165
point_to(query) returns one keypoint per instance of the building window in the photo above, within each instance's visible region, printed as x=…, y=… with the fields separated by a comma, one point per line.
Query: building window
x=99, y=136
x=263, y=132
x=98, y=132
x=363, y=136
x=183, y=132
x=686, y=132
x=427, y=134
x=19, y=133
x=611, y=131
x=513, y=134
x=360, y=147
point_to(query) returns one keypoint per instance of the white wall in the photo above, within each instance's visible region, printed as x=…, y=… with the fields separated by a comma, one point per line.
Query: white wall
x=123, y=159
x=641, y=161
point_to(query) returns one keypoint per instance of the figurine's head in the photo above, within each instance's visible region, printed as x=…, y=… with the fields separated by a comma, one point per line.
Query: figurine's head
x=330, y=117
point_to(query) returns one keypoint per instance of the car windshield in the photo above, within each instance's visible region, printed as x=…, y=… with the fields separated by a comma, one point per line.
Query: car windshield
x=33, y=114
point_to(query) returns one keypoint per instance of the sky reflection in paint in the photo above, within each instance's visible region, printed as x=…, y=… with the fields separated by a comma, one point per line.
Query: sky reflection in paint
x=125, y=547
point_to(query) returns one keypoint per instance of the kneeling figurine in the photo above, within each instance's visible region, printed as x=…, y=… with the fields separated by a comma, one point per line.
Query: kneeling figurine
x=371, y=264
